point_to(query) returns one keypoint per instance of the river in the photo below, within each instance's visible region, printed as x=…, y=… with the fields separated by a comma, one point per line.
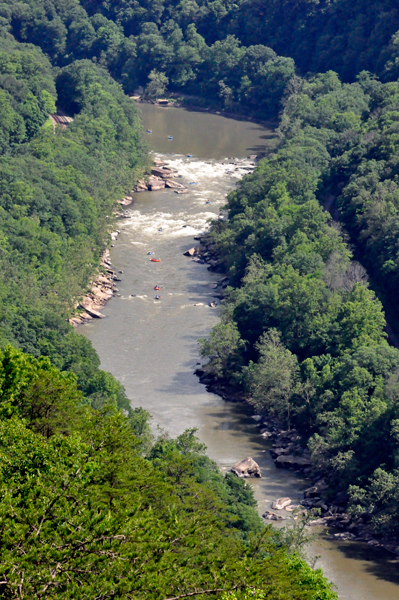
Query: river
x=151, y=346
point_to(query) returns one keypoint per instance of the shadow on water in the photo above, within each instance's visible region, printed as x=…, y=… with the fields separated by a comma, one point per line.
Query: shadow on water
x=377, y=562
x=181, y=385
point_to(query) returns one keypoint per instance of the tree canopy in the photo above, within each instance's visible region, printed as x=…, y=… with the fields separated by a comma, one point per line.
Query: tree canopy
x=84, y=514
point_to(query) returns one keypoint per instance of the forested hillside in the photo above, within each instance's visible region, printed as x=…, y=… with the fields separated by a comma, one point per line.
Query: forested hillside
x=303, y=332
x=133, y=39
x=58, y=192
x=84, y=515
x=90, y=503
x=240, y=52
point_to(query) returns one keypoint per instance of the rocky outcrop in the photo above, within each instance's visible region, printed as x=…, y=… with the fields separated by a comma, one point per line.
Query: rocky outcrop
x=246, y=468
x=101, y=290
x=141, y=186
x=207, y=253
x=173, y=184
x=126, y=201
x=163, y=172
x=161, y=177
x=192, y=251
x=155, y=184
x=91, y=311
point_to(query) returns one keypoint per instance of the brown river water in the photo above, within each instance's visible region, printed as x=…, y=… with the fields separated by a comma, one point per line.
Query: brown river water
x=151, y=346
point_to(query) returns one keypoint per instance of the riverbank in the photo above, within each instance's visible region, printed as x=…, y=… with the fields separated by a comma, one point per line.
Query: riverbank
x=289, y=449
x=102, y=289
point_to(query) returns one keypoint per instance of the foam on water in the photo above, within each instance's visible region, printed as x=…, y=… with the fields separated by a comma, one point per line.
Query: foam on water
x=180, y=225
x=215, y=179
x=209, y=173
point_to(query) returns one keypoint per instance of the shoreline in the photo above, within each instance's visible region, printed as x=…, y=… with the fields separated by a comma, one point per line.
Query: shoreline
x=287, y=451
x=102, y=287
x=101, y=291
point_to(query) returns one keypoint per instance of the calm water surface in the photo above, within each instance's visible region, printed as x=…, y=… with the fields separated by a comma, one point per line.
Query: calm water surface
x=151, y=347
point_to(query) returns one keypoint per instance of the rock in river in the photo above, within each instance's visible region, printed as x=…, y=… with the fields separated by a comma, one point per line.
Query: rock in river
x=246, y=468
x=271, y=516
x=173, y=184
x=155, y=184
x=281, y=503
x=192, y=251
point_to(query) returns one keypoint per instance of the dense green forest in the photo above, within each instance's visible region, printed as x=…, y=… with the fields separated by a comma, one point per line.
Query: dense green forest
x=85, y=515
x=58, y=192
x=303, y=332
x=239, y=52
x=91, y=503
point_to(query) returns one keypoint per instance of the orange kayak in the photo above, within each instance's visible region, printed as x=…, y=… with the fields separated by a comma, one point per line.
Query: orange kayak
x=155, y=259
x=157, y=288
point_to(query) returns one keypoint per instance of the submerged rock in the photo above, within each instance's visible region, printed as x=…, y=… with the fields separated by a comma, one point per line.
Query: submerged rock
x=271, y=516
x=296, y=462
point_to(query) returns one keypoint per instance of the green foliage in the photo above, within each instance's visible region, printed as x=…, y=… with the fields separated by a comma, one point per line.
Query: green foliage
x=272, y=380
x=301, y=330
x=223, y=347
x=157, y=85
x=84, y=515
x=240, y=53
x=58, y=192
x=156, y=45
x=313, y=347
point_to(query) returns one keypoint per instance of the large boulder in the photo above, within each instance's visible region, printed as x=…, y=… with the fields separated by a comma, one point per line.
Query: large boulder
x=141, y=186
x=163, y=172
x=246, y=468
x=154, y=184
x=173, y=184
x=192, y=251
x=92, y=311
x=281, y=503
